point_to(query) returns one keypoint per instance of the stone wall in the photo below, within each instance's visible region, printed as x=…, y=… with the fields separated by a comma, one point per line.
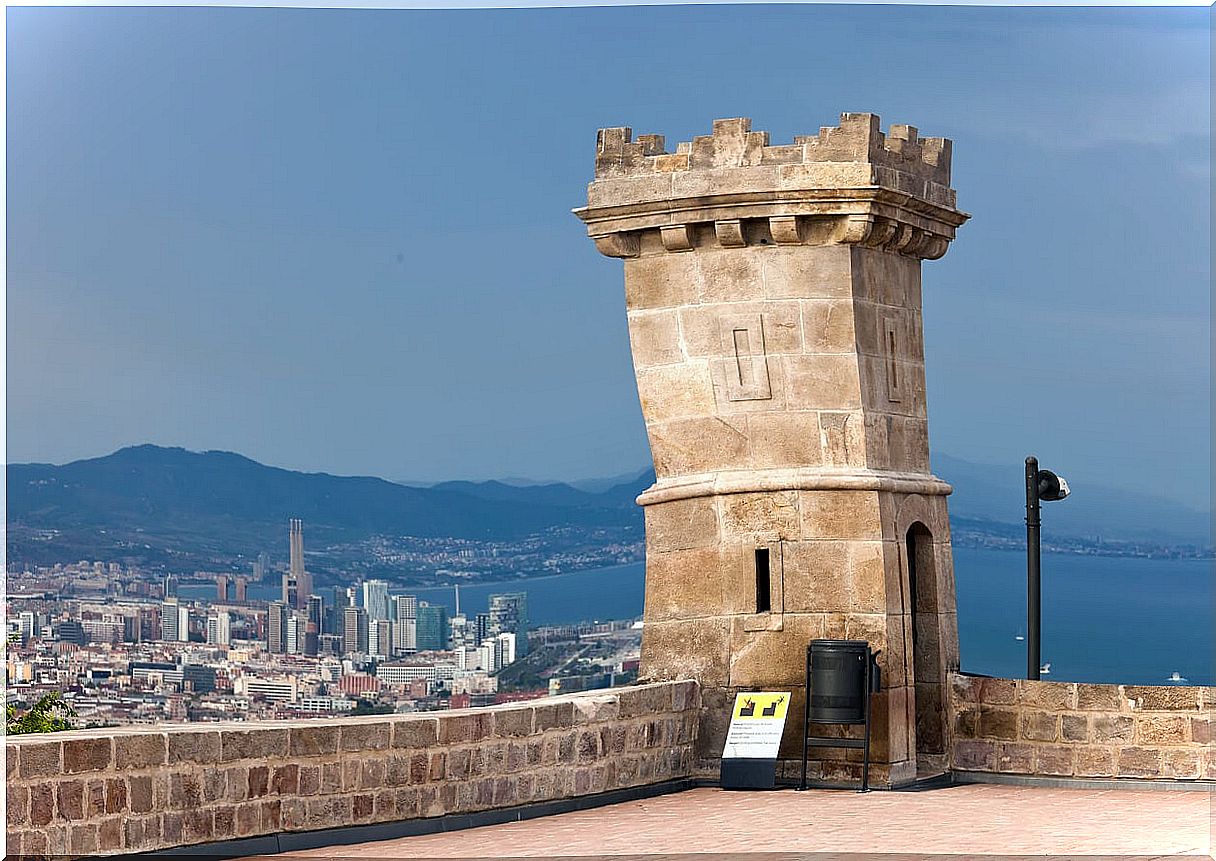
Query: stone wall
x=136, y=789
x=1063, y=729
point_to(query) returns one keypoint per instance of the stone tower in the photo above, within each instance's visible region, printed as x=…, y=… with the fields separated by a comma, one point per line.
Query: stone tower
x=774, y=307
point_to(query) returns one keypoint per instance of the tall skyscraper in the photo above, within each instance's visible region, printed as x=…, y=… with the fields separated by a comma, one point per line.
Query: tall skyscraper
x=276, y=627
x=354, y=630
x=375, y=599
x=297, y=583
x=221, y=588
x=432, y=627
x=509, y=615
x=170, y=586
x=241, y=585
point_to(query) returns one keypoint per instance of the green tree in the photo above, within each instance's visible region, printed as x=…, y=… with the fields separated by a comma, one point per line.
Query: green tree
x=49, y=714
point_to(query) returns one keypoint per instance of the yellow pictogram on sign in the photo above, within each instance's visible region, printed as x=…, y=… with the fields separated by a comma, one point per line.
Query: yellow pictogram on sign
x=761, y=706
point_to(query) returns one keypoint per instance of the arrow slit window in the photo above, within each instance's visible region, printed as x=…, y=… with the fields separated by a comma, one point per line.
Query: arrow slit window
x=764, y=601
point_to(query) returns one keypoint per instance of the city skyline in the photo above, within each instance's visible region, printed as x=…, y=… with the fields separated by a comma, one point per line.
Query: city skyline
x=208, y=244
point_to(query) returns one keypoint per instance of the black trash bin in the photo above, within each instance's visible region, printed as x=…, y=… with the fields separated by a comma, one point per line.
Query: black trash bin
x=840, y=676
x=838, y=681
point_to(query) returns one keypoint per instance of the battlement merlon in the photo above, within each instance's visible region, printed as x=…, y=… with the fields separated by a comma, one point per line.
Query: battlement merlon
x=894, y=183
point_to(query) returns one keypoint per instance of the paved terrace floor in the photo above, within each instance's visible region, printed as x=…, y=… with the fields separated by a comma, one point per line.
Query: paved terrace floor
x=969, y=820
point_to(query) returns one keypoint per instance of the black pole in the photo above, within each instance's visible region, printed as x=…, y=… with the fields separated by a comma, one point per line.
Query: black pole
x=1033, y=614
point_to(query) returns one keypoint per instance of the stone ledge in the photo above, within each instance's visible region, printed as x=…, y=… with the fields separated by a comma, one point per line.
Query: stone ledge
x=777, y=479
x=125, y=790
x=1071, y=730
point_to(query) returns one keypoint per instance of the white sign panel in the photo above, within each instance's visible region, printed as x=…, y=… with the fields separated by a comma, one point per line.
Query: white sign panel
x=756, y=725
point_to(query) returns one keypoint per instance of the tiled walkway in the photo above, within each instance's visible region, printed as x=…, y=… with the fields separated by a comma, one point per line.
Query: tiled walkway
x=967, y=820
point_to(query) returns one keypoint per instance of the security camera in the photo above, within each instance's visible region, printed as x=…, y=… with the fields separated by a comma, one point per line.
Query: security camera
x=1051, y=486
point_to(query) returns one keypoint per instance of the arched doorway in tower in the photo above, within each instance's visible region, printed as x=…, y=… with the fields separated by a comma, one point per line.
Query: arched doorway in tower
x=928, y=676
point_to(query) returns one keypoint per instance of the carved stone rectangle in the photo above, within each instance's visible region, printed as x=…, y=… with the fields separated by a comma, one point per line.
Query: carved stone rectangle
x=743, y=341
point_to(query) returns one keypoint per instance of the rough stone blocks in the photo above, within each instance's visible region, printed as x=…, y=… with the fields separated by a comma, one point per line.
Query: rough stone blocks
x=1079, y=730
x=129, y=791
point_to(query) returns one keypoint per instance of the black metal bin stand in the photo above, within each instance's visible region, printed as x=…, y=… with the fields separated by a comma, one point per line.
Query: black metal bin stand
x=840, y=676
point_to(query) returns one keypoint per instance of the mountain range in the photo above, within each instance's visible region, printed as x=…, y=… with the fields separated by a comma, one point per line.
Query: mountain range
x=148, y=504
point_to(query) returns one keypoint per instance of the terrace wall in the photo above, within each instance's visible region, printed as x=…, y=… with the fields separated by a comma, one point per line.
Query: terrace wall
x=1072, y=730
x=136, y=789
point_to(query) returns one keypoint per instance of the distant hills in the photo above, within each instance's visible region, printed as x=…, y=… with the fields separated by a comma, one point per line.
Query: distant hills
x=152, y=505
x=995, y=494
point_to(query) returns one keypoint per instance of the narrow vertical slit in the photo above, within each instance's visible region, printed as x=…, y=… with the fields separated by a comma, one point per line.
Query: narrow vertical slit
x=764, y=601
x=894, y=362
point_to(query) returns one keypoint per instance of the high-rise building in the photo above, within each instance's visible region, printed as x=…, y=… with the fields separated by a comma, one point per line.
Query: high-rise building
x=28, y=624
x=405, y=607
x=174, y=622
x=316, y=612
x=380, y=638
x=405, y=623
x=290, y=590
x=354, y=630
x=221, y=588
x=375, y=599
x=333, y=613
x=219, y=629
x=297, y=583
x=432, y=627
x=487, y=656
x=509, y=615
x=314, y=624
x=276, y=627
x=242, y=585
x=461, y=631
x=295, y=632
x=170, y=586
x=505, y=649
x=481, y=628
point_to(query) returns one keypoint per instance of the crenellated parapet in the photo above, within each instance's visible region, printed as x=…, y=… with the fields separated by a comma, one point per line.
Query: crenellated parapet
x=849, y=184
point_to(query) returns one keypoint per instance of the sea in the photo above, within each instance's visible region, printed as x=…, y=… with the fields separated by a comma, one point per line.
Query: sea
x=1105, y=619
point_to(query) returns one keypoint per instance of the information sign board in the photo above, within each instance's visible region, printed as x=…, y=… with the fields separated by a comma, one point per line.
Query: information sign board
x=749, y=758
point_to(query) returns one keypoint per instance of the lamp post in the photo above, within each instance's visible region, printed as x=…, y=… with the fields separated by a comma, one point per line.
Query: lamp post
x=1041, y=484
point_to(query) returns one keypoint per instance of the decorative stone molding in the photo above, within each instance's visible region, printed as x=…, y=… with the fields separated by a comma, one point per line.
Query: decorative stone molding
x=850, y=184
x=757, y=481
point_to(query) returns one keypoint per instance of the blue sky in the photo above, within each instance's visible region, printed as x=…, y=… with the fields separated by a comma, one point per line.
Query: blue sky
x=341, y=240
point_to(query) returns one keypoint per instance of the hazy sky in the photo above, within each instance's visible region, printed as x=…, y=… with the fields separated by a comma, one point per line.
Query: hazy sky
x=341, y=240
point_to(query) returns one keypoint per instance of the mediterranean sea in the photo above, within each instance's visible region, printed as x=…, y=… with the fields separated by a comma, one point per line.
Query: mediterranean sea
x=1105, y=619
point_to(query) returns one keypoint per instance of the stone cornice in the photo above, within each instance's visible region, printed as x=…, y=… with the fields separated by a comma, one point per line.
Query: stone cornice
x=849, y=185
x=769, y=480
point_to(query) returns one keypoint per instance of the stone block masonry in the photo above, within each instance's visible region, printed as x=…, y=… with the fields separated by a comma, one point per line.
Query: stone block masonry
x=1072, y=730
x=139, y=789
x=773, y=300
